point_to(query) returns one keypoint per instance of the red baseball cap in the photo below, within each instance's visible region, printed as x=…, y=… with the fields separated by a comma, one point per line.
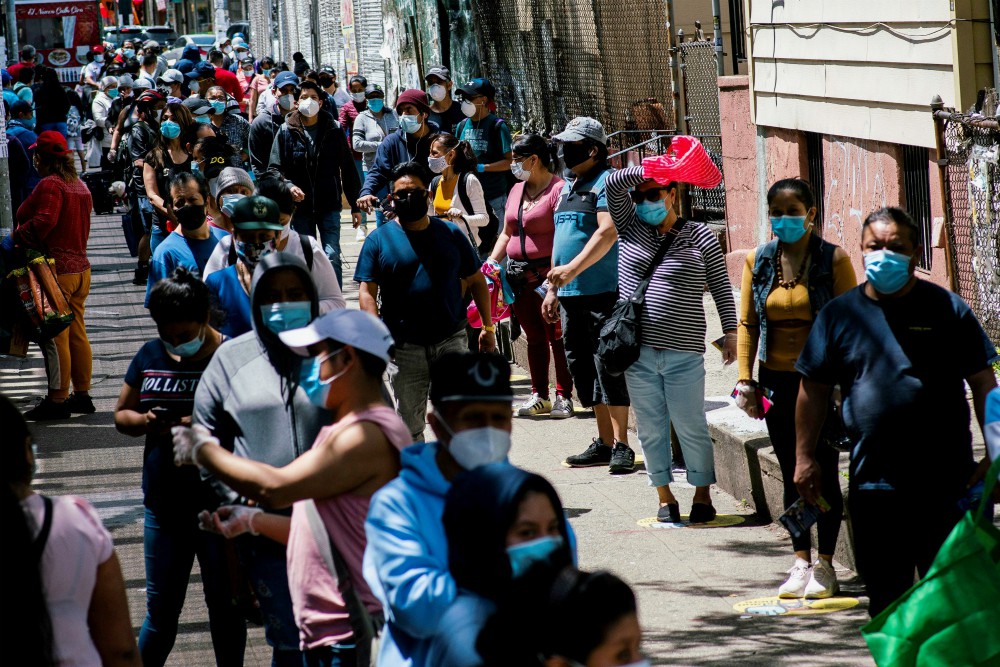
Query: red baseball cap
x=51, y=142
x=98, y=49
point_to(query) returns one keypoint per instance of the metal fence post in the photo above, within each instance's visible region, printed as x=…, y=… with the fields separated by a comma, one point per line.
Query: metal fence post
x=937, y=104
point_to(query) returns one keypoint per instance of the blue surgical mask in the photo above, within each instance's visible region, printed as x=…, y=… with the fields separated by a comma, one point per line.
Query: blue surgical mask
x=112, y=93
x=789, y=228
x=188, y=349
x=376, y=104
x=203, y=119
x=651, y=212
x=170, y=130
x=228, y=201
x=316, y=388
x=265, y=72
x=218, y=105
x=523, y=556
x=410, y=124
x=129, y=53
x=887, y=271
x=98, y=59
x=286, y=315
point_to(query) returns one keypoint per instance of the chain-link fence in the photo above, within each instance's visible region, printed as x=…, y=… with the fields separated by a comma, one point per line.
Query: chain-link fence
x=700, y=84
x=552, y=60
x=972, y=192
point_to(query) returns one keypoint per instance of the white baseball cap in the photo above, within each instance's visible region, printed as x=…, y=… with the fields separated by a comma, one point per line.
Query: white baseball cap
x=362, y=331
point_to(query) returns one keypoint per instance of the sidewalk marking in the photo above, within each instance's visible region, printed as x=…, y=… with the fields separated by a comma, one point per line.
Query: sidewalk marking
x=720, y=521
x=775, y=606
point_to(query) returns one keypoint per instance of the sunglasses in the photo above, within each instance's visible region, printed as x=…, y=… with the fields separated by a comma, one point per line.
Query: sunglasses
x=639, y=196
x=408, y=194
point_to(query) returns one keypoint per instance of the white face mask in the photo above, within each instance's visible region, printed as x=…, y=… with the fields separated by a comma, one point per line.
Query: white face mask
x=476, y=447
x=358, y=97
x=437, y=92
x=469, y=109
x=308, y=107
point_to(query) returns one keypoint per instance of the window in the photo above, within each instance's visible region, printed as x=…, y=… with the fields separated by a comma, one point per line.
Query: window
x=43, y=33
x=814, y=156
x=917, y=196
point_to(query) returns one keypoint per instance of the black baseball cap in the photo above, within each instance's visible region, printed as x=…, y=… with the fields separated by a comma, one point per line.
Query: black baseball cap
x=470, y=376
x=256, y=212
x=478, y=86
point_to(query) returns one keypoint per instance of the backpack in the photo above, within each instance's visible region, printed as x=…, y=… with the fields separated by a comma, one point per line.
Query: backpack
x=488, y=233
x=494, y=130
x=73, y=122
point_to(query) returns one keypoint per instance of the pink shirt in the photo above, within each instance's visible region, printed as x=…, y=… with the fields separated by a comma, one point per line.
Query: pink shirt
x=319, y=608
x=539, y=223
x=78, y=542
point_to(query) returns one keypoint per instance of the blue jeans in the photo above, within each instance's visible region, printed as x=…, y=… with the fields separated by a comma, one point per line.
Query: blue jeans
x=360, y=166
x=329, y=236
x=667, y=387
x=58, y=127
x=499, y=207
x=267, y=569
x=157, y=235
x=329, y=656
x=170, y=549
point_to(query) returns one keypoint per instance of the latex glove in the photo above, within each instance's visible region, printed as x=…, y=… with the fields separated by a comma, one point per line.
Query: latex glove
x=207, y=523
x=233, y=520
x=747, y=400
x=187, y=442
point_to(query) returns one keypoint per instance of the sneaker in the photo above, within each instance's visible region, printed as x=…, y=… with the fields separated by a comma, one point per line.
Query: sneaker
x=798, y=578
x=361, y=234
x=80, y=404
x=141, y=275
x=823, y=582
x=562, y=408
x=598, y=454
x=47, y=410
x=622, y=459
x=536, y=405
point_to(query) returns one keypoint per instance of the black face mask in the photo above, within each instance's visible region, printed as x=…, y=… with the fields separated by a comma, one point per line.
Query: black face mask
x=325, y=83
x=190, y=217
x=575, y=154
x=412, y=207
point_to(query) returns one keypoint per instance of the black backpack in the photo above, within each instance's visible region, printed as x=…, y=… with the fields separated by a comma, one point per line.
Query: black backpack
x=494, y=130
x=487, y=234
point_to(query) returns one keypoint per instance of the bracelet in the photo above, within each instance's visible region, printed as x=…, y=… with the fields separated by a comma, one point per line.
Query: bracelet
x=491, y=328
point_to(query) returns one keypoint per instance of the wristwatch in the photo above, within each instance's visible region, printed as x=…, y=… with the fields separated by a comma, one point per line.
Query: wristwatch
x=491, y=328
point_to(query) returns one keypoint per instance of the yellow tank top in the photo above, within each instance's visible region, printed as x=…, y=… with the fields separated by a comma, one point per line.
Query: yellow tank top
x=442, y=204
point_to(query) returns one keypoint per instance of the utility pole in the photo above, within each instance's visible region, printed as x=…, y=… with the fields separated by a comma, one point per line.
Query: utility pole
x=717, y=37
x=13, y=51
x=6, y=203
x=675, y=69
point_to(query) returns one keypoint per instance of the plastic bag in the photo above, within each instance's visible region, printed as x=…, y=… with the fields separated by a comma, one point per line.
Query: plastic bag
x=686, y=161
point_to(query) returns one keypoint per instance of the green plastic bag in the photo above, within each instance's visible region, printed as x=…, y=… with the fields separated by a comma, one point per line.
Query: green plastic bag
x=951, y=617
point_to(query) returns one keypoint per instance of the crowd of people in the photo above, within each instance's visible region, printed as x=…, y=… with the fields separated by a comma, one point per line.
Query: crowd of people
x=272, y=441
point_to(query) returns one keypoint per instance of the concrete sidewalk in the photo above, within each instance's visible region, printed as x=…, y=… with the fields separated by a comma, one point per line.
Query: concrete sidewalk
x=687, y=579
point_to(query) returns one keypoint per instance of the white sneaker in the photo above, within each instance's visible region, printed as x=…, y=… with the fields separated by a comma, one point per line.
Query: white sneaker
x=798, y=578
x=562, y=408
x=362, y=233
x=822, y=582
x=536, y=405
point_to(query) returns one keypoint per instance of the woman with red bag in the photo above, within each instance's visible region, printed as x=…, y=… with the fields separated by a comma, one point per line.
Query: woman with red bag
x=55, y=220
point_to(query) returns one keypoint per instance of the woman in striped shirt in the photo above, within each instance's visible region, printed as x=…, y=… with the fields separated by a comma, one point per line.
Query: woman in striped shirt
x=667, y=383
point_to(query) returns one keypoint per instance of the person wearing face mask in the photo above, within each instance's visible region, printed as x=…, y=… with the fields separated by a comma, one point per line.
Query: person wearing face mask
x=526, y=244
x=410, y=143
x=167, y=159
x=255, y=232
x=902, y=350
x=508, y=537
x=458, y=194
x=445, y=112
x=406, y=562
x=258, y=85
x=224, y=77
x=667, y=383
x=173, y=79
x=310, y=151
x=306, y=248
x=22, y=123
x=144, y=136
x=333, y=97
x=786, y=282
x=345, y=353
x=269, y=120
x=93, y=71
x=230, y=182
x=258, y=370
x=230, y=125
x=490, y=138
x=347, y=116
x=158, y=393
x=426, y=312
x=581, y=619
x=194, y=244
x=246, y=76
x=583, y=290
x=371, y=127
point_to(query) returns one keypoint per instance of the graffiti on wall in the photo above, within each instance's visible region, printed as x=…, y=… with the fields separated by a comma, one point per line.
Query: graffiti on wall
x=857, y=183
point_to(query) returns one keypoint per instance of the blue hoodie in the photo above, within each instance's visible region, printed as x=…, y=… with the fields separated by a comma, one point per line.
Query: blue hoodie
x=397, y=148
x=406, y=560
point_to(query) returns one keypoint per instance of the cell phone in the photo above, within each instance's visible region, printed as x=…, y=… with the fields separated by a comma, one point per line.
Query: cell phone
x=800, y=515
x=165, y=414
x=386, y=205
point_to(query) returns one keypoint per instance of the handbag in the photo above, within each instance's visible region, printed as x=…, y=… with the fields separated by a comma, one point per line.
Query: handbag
x=45, y=310
x=951, y=616
x=618, y=344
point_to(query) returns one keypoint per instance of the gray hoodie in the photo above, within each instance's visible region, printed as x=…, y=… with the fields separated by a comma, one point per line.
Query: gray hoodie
x=249, y=396
x=369, y=131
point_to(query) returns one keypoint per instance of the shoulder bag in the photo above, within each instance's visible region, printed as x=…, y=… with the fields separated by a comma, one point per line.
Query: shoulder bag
x=618, y=344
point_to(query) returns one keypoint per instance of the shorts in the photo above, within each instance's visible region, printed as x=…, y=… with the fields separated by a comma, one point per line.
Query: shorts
x=582, y=317
x=75, y=143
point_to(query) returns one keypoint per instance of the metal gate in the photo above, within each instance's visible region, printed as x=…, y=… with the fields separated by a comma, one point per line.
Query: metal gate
x=700, y=105
x=970, y=146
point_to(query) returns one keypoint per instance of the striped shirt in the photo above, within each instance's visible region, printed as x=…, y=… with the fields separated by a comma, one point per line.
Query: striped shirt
x=673, y=317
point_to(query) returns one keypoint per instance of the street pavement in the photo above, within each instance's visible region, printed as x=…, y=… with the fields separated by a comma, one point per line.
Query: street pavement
x=687, y=579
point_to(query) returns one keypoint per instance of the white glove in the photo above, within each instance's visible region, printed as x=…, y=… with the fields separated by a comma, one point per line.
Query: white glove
x=233, y=520
x=187, y=442
x=207, y=523
x=746, y=399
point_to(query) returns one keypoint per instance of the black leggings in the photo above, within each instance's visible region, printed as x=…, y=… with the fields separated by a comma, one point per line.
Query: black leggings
x=780, y=421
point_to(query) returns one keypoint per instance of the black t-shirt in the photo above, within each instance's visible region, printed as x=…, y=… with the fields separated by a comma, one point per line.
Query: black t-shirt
x=901, y=365
x=143, y=139
x=164, y=175
x=173, y=492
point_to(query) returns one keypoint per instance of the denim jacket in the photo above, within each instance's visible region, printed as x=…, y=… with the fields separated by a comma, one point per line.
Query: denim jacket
x=764, y=272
